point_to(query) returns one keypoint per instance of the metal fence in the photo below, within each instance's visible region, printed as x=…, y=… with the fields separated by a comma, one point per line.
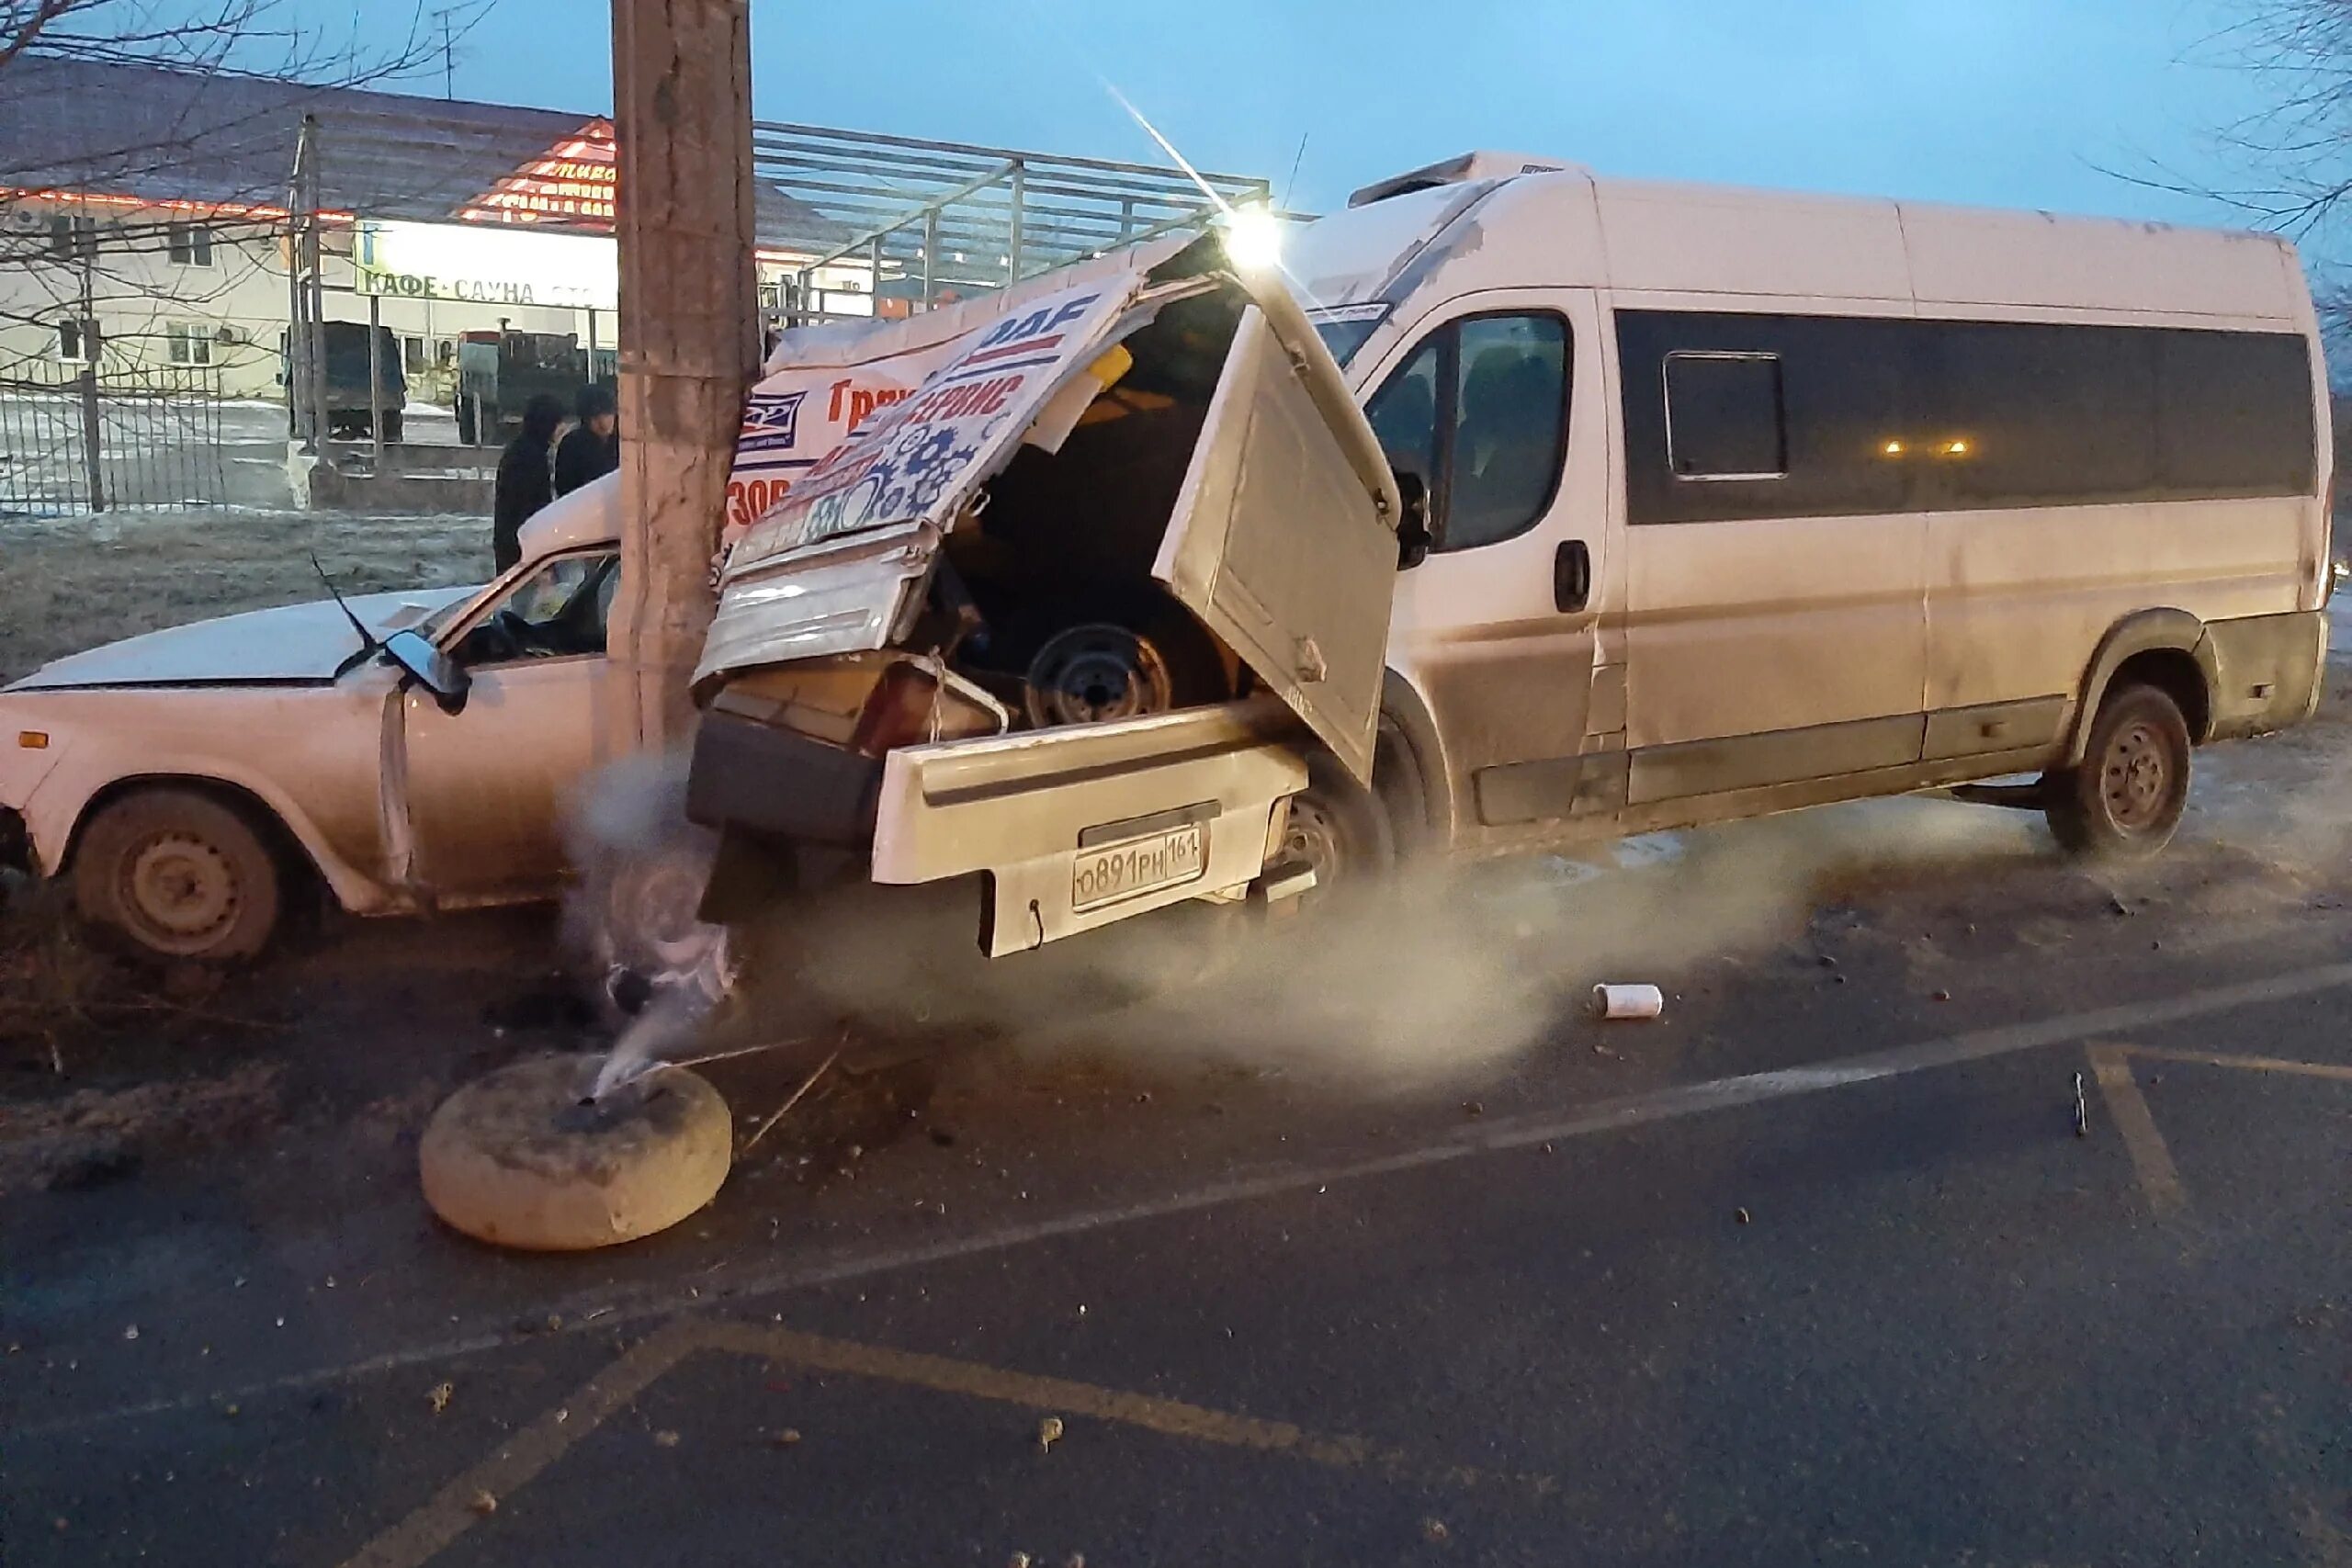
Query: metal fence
x=922, y=222
x=76, y=440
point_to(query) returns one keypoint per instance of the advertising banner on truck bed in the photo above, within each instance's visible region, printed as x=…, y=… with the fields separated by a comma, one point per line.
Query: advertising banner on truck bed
x=824, y=387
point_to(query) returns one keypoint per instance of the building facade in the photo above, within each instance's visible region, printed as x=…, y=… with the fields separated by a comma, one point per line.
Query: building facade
x=146, y=219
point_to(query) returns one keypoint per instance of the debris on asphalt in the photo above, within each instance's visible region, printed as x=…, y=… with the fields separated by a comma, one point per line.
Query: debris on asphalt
x=1943, y=996
x=1049, y=1432
x=441, y=1395
x=1018, y=1560
x=2082, y=1110
x=131, y=1332
x=483, y=1503
x=789, y=1101
x=1433, y=1529
x=2115, y=902
x=1473, y=1107
x=786, y=1438
x=1628, y=1001
x=1741, y=1216
x=665, y=1439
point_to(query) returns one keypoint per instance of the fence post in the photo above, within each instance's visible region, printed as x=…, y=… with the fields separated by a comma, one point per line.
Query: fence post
x=315, y=282
x=1012, y=244
x=930, y=255
x=93, y=471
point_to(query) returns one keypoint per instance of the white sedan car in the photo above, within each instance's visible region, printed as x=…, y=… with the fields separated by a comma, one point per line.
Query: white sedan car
x=182, y=779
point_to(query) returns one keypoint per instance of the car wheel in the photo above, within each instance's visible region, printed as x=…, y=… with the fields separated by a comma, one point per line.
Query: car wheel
x=468, y=425
x=1093, y=673
x=2126, y=799
x=1341, y=830
x=181, y=874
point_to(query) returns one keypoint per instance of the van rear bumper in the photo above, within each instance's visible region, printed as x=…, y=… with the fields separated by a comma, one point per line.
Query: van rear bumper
x=2267, y=670
x=757, y=778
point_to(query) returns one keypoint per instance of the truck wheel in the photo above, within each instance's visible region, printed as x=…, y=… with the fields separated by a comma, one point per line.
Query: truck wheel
x=1341, y=830
x=2126, y=799
x=179, y=874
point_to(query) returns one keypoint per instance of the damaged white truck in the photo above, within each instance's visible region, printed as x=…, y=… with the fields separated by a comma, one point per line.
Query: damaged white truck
x=1520, y=507
x=1068, y=614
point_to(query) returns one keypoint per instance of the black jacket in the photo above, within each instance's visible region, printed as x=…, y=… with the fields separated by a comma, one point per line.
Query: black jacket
x=580, y=458
x=524, y=486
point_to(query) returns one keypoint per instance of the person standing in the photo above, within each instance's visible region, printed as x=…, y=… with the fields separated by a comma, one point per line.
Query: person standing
x=525, y=480
x=593, y=447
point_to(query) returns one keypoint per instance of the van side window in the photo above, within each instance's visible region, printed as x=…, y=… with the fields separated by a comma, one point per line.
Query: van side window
x=1479, y=411
x=1725, y=417
x=1404, y=412
x=1511, y=419
x=1844, y=416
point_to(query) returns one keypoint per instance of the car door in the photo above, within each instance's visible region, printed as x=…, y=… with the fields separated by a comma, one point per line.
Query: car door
x=488, y=790
x=1493, y=403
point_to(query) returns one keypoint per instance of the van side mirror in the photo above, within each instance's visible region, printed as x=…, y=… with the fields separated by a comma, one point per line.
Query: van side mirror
x=1413, y=525
x=413, y=654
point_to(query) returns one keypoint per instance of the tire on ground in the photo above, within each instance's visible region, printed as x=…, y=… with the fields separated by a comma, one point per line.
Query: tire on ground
x=2126, y=799
x=519, y=1159
x=180, y=874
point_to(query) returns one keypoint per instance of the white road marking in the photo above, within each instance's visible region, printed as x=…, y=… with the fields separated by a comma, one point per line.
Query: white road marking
x=1493, y=1136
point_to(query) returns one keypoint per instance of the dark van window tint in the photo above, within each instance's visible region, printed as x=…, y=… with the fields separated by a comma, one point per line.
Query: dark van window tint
x=1717, y=404
x=1404, y=412
x=1480, y=413
x=1724, y=417
x=1511, y=421
x=2023, y=414
x=2233, y=414
x=1892, y=415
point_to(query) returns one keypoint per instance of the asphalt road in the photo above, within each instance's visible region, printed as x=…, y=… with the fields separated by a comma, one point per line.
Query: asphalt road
x=1423, y=1267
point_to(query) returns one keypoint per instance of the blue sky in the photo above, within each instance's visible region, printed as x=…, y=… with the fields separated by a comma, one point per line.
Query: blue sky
x=2004, y=102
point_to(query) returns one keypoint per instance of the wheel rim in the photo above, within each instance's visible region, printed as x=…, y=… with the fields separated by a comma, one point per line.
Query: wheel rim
x=656, y=907
x=1312, y=835
x=181, y=890
x=2137, y=777
x=1089, y=674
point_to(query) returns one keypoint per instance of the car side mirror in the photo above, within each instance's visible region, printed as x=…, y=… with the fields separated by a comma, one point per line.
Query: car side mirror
x=1413, y=524
x=413, y=654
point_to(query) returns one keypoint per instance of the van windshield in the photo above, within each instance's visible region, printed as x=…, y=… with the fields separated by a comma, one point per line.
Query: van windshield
x=1344, y=337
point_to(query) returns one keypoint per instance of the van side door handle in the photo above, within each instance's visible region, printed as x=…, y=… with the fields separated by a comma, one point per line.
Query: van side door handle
x=1571, y=577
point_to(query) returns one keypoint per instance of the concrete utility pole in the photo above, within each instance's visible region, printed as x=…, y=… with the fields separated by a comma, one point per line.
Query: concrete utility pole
x=689, y=337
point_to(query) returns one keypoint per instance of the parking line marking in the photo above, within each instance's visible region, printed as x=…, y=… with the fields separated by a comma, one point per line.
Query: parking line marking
x=450, y=1512
x=613, y=1310
x=2334, y=1070
x=2159, y=1181
x=1061, y=1397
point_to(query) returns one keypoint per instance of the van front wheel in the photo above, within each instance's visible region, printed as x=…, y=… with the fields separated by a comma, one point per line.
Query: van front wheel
x=1339, y=830
x=2126, y=799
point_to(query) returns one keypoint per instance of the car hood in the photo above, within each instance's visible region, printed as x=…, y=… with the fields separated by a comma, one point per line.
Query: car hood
x=293, y=644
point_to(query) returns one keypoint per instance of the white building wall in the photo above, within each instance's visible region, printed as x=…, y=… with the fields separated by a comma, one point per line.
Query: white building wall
x=223, y=305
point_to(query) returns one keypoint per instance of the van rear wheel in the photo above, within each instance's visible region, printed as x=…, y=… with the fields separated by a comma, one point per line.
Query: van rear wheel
x=2126, y=799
